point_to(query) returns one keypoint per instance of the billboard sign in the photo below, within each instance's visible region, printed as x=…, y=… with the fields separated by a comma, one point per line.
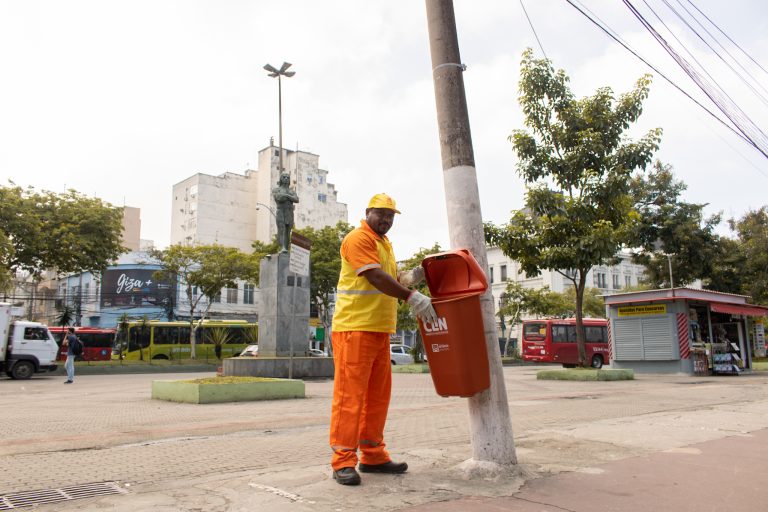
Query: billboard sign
x=134, y=287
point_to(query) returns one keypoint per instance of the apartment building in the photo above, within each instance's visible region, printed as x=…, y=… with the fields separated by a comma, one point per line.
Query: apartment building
x=236, y=209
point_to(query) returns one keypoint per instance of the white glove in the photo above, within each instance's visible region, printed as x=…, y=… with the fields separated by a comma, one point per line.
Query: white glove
x=411, y=277
x=421, y=305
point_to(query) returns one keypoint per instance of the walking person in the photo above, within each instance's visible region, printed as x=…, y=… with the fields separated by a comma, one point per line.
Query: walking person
x=70, y=341
x=365, y=316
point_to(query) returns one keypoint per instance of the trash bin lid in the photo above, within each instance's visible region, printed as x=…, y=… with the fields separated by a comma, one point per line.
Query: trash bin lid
x=454, y=272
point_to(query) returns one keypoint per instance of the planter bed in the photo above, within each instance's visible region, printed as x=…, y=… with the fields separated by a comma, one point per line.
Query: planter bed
x=226, y=389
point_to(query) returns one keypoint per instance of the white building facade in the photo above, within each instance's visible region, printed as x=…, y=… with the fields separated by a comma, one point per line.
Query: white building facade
x=237, y=209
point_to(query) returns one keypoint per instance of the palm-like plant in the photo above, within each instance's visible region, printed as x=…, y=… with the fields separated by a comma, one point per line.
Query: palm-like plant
x=251, y=334
x=219, y=336
x=122, y=334
x=66, y=315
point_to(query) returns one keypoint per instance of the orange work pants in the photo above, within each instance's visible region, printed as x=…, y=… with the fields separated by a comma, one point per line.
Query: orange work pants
x=361, y=390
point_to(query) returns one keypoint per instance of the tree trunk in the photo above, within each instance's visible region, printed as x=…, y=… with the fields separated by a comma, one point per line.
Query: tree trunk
x=217, y=351
x=490, y=424
x=579, y=319
x=192, y=351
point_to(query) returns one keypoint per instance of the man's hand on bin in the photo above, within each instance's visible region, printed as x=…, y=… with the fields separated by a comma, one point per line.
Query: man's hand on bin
x=421, y=305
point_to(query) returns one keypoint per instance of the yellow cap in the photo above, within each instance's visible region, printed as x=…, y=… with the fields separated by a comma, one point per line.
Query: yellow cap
x=383, y=201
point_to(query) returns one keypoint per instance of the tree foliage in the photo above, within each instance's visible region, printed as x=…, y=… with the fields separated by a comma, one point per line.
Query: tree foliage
x=752, y=253
x=669, y=226
x=68, y=232
x=325, y=265
x=406, y=321
x=207, y=267
x=577, y=165
x=518, y=301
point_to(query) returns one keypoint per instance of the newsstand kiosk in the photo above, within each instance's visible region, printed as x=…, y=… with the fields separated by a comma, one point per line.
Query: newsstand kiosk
x=455, y=344
x=684, y=330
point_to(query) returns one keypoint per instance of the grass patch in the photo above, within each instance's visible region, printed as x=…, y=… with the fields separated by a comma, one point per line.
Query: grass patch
x=585, y=374
x=411, y=368
x=760, y=366
x=229, y=380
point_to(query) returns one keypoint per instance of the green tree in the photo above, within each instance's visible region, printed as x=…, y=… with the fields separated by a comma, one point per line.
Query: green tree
x=406, y=321
x=727, y=274
x=518, y=301
x=122, y=334
x=6, y=252
x=669, y=226
x=219, y=336
x=208, y=268
x=577, y=164
x=68, y=232
x=752, y=233
x=65, y=316
x=325, y=265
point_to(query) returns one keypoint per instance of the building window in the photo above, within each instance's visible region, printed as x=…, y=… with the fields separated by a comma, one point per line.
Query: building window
x=627, y=281
x=217, y=298
x=503, y=273
x=277, y=152
x=321, y=179
x=601, y=280
x=321, y=197
x=309, y=178
x=616, y=282
x=231, y=295
x=194, y=291
x=248, y=293
x=490, y=274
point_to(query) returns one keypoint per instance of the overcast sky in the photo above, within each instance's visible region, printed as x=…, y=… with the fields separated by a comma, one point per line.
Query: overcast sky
x=121, y=100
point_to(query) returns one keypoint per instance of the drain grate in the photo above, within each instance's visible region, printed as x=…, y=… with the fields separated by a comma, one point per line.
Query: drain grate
x=43, y=496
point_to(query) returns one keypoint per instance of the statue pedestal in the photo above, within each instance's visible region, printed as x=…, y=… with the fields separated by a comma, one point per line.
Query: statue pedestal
x=284, y=309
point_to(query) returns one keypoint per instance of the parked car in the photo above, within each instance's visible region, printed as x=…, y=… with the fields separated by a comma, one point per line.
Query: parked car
x=313, y=352
x=400, y=354
x=250, y=351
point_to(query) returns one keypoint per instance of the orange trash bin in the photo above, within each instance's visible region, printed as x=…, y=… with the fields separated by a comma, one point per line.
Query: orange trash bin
x=455, y=344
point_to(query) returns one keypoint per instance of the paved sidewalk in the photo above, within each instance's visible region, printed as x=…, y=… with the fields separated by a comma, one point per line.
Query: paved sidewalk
x=581, y=446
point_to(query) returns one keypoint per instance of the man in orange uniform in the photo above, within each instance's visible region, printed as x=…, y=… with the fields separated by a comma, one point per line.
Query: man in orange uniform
x=365, y=316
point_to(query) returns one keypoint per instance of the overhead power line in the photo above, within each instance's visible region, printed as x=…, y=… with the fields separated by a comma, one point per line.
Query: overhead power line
x=530, y=23
x=751, y=132
x=594, y=19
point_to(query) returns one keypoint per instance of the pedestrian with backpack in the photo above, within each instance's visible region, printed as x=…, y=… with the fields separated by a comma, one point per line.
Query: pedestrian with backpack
x=74, y=348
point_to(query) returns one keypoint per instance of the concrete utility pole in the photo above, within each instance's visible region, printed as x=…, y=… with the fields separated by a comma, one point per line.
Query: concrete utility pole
x=490, y=424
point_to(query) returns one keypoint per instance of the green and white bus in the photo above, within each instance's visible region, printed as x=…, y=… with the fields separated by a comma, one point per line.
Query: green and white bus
x=155, y=340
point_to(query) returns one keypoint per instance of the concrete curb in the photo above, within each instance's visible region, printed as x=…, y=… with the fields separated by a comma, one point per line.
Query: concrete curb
x=138, y=368
x=586, y=375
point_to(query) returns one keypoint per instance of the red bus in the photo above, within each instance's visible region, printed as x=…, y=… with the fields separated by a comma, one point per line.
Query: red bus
x=97, y=343
x=553, y=340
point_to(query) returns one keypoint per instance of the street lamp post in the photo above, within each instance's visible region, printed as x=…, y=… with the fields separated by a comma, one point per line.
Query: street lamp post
x=267, y=207
x=274, y=72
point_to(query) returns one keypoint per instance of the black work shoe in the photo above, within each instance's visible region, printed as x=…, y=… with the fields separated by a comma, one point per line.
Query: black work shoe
x=347, y=476
x=387, y=467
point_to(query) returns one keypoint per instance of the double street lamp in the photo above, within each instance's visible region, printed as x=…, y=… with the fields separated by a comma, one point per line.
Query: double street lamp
x=274, y=72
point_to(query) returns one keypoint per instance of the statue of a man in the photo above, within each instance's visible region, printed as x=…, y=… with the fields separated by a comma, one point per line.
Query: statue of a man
x=284, y=199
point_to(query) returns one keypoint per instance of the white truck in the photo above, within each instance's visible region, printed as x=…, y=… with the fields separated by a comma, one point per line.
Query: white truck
x=25, y=347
